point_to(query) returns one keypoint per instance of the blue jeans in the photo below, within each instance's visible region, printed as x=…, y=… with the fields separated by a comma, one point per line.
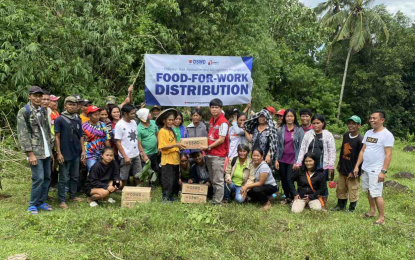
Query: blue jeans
x=236, y=189
x=90, y=163
x=40, y=181
x=68, y=177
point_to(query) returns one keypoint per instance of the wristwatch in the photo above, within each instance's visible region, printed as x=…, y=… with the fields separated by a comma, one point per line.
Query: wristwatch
x=209, y=148
x=384, y=171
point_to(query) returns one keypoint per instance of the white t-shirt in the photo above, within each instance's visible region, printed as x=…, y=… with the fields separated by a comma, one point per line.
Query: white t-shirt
x=127, y=133
x=223, y=129
x=374, y=155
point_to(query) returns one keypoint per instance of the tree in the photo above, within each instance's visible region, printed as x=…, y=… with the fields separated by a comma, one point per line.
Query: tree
x=359, y=25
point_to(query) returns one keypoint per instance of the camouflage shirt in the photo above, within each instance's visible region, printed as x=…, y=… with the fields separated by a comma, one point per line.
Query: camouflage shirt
x=30, y=134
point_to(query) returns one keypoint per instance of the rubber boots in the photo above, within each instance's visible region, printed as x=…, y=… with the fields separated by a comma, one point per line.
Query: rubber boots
x=352, y=206
x=341, y=205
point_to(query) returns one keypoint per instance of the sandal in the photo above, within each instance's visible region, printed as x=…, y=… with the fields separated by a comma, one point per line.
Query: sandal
x=45, y=207
x=32, y=210
x=366, y=215
x=379, y=222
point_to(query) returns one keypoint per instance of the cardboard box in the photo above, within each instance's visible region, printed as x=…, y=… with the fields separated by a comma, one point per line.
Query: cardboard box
x=198, y=189
x=137, y=194
x=195, y=143
x=129, y=204
x=192, y=198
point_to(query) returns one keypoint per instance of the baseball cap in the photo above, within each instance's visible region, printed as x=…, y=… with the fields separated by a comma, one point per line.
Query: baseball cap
x=155, y=107
x=355, y=119
x=281, y=112
x=55, y=98
x=86, y=102
x=235, y=110
x=111, y=100
x=71, y=99
x=142, y=114
x=92, y=109
x=35, y=89
x=270, y=109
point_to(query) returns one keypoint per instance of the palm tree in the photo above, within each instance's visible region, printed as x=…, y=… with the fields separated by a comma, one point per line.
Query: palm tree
x=328, y=9
x=359, y=25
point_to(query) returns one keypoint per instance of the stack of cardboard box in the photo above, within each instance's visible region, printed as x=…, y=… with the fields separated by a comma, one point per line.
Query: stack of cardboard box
x=133, y=195
x=194, y=193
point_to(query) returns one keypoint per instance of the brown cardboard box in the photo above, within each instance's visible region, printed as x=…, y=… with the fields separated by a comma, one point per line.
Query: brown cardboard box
x=138, y=194
x=128, y=204
x=195, y=143
x=192, y=198
x=198, y=189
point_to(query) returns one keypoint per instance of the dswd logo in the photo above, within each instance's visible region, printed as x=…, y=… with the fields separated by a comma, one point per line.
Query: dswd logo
x=197, y=62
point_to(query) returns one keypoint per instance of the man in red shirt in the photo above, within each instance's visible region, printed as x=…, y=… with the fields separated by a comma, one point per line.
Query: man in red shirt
x=218, y=148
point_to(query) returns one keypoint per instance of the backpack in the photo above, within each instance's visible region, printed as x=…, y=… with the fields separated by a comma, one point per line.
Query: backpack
x=26, y=116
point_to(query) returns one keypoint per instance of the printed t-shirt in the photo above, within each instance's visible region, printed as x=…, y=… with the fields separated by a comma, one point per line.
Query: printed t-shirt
x=127, y=133
x=374, y=154
x=148, y=138
x=94, y=139
x=349, y=153
x=170, y=156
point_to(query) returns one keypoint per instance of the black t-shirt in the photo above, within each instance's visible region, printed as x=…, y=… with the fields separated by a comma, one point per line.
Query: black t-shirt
x=349, y=153
x=69, y=140
x=316, y=147
x=100, y=174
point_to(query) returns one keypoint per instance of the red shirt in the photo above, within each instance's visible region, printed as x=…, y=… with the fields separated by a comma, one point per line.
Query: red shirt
x=53, y=116
x=223, y=149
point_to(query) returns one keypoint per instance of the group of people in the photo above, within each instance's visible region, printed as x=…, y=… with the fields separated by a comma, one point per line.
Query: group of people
x=246, y=156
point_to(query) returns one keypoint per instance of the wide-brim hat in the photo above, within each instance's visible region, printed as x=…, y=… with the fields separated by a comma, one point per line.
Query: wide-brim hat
x=163, y=114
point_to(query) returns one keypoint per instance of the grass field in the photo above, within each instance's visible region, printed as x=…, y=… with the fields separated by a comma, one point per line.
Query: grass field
x=176, y=231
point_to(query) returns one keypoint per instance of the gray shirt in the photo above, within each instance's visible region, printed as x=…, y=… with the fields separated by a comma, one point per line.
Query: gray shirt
x=263, y=167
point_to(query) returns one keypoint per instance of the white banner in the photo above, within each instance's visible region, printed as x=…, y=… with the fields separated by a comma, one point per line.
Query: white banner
x=187, y=80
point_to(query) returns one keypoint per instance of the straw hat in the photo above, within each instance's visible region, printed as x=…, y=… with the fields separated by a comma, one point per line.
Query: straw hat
x=163, y=114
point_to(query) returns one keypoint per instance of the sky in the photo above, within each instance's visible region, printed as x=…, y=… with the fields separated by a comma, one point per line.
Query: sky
x=405, y=6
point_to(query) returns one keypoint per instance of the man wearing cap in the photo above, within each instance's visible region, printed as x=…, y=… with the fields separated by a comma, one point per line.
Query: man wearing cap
x=147, y=132
x=96, y=137
x=155, y=112
x=348, y=184
x=376, y=155
x=69, y=148
x=112, y=100
x=35, y=138
x=218, y=148
x=280, y=115
x=85, y=104
x=53, y=105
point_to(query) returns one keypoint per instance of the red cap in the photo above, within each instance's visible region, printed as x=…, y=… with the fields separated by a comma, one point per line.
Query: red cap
x=281, y=112
x=54, y=98
x=92, y=109
x=270, y=109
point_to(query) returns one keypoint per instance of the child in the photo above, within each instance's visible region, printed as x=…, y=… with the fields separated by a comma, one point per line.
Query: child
x=184, y=168
x=170, y=150
x=348, y=185
x=199, y=172
x=103, y=179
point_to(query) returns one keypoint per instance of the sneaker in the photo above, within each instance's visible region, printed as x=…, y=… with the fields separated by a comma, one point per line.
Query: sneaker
x=111, y=200
x=77, y=199
x=93, y=204
x=63, y=205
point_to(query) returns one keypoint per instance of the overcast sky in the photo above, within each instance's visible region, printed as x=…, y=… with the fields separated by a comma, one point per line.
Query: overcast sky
x=405, y=6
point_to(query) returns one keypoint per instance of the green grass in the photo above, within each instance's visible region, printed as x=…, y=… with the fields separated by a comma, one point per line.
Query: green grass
x=159, y=231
